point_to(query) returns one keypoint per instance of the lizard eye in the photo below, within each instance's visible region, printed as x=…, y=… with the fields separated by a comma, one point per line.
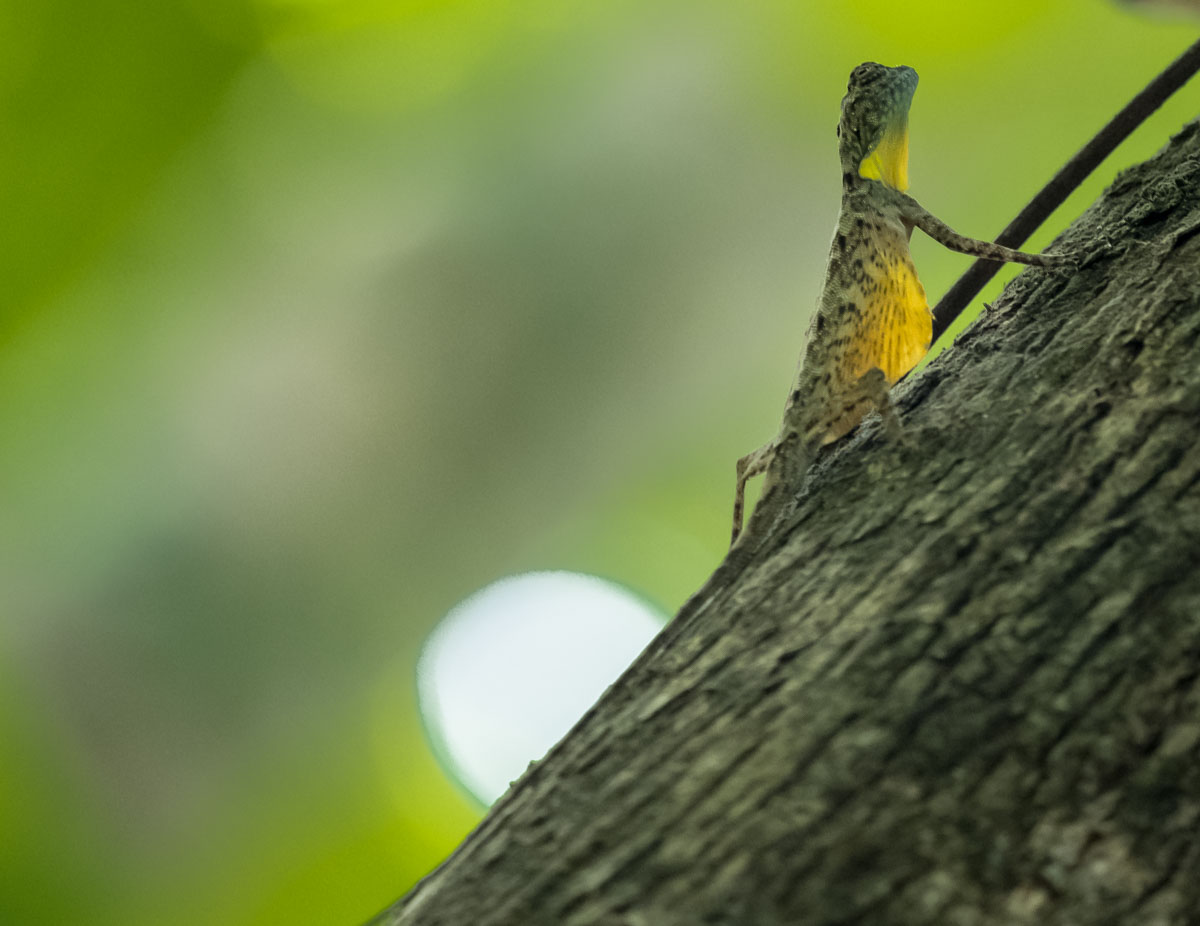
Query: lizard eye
x=838, y=128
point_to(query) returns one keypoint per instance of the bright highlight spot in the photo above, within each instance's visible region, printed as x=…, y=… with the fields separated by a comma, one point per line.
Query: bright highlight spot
x=509, y=670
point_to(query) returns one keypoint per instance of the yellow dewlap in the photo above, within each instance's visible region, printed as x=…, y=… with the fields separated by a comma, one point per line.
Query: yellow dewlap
x=889, y=160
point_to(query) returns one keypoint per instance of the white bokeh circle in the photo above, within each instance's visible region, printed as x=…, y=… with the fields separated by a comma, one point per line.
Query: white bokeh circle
x=509, y=670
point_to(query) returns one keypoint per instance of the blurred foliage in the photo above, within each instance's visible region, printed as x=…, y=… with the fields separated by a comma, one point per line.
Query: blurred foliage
x=320, y=315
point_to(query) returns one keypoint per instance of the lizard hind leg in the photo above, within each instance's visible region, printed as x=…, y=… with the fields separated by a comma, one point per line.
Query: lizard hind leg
x=749, y=466
x=856, y=400
x=873, y=388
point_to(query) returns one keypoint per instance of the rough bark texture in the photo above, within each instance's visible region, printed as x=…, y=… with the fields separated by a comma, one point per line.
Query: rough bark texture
x=963, y=687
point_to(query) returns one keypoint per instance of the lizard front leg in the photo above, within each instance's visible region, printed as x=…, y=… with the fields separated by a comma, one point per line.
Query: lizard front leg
x=913, y=213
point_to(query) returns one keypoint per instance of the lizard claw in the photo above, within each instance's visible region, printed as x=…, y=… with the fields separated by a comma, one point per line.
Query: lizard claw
x=1059, y=261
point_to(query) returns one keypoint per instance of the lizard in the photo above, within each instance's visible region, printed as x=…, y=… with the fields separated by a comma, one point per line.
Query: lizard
x=873, y=322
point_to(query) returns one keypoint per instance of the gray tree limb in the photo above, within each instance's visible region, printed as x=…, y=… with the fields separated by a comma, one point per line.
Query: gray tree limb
x=963, y=684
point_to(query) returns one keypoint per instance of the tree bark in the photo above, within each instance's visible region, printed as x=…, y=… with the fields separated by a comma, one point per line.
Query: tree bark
x=962, y=685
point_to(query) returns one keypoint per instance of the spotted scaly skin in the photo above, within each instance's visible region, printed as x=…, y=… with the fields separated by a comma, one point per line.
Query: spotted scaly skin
x=872, y=323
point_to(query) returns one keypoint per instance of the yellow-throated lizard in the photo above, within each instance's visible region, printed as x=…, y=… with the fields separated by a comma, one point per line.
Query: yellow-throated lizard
x=872, y=322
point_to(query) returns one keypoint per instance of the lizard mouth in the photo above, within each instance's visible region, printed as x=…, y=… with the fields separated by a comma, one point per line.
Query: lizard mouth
x=888, y=160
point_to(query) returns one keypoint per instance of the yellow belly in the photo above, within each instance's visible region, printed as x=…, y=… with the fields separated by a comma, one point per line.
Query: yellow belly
x=894, y=325
x=890, y=330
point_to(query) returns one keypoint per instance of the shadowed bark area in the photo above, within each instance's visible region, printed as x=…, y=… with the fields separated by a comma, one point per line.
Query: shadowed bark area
x=962, y=686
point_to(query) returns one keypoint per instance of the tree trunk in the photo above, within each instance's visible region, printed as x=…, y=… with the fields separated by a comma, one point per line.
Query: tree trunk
x=962, y=685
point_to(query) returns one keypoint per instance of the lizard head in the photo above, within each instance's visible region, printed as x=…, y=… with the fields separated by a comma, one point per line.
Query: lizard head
x=873, y=130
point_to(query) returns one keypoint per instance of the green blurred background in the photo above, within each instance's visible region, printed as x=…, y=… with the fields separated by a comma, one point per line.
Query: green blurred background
x=317, y=316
